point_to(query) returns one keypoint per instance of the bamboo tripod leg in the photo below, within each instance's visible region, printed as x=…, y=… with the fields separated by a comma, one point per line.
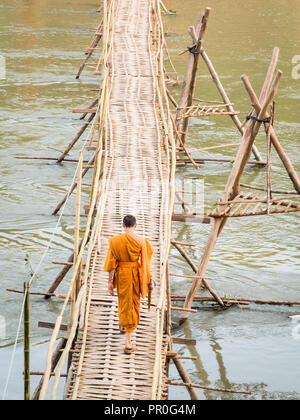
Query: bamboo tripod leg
x=279, y=149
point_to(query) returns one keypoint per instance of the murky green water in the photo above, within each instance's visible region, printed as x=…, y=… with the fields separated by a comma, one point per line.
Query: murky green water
x=245, y=347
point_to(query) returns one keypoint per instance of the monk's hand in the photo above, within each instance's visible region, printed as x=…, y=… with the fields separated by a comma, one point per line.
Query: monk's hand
x=110, y=288
x=152, y=285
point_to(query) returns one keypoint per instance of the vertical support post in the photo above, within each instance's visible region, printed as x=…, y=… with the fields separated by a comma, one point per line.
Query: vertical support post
x=27, y=342
x=77, y=284
x=189, y=83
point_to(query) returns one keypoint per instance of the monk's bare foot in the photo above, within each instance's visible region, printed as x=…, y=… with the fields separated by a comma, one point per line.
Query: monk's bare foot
x=129, y=350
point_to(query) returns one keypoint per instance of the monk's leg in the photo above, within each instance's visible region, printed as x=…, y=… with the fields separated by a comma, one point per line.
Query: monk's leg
x=128, y=340
x=128, y=299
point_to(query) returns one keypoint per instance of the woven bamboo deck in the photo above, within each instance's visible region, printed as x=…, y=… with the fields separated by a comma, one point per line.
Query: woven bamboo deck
x=136, y=181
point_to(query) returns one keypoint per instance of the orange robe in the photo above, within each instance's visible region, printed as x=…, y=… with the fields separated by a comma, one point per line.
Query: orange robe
x=131, y=279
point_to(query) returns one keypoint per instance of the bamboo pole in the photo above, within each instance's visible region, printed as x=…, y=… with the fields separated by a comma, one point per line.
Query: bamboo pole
x=48, y=370
x=90, y=53
x=253, y=187
x=233, y=185
x=203, y=280
x=181, y=243
x=27, y=342
x=279, y=149
x=221, y=146
x=77, y=285
x=225, y=98
x=239, y=300
x=73, y=186
x=44, y=158
x=55, y=359
x=61, y=275
x=189, y=83
x=94, y=103
x=183, y=144
x=210, y=388
x=36, y=293
x=183, y=162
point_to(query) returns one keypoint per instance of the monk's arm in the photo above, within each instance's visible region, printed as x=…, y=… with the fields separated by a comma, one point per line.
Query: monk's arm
x=110, y=282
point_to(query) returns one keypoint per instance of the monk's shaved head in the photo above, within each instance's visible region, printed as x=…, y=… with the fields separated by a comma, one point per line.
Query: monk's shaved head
x=129, y=221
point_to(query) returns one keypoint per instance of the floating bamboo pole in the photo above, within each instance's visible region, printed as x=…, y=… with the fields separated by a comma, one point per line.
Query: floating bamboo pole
x=203, y=280
x=95, y=42
x=221, y=146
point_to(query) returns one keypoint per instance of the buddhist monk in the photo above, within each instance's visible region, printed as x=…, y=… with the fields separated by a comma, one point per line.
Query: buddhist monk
x=128, y=264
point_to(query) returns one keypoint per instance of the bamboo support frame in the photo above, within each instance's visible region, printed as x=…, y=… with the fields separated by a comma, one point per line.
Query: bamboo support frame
x=233, y=184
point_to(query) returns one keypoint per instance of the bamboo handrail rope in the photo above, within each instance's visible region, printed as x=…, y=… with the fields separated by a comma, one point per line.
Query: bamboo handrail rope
x=157, y=381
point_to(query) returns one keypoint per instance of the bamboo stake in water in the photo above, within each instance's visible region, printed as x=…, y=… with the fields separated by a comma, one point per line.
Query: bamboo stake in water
x=27, y=342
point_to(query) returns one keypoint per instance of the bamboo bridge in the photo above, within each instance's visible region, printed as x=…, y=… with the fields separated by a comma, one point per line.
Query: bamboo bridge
x=136, y=143
x=133, y=174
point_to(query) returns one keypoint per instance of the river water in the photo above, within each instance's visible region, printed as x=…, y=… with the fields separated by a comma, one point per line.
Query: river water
x=253, y=347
